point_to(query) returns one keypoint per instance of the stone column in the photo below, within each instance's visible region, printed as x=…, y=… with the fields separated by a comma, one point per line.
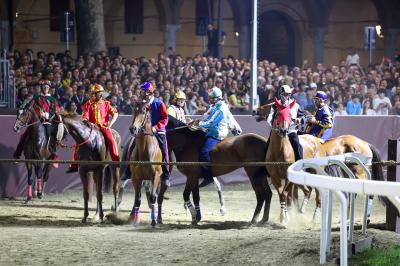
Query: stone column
x=90, y=26
x=389, y=41
x=244, y=42
x=170, y=37
x=4, y=35
x=318, y=38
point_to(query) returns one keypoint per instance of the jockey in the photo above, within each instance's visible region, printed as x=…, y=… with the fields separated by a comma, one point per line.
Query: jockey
x=97, y=111
x=284, y=94
x=322, y=122
x=159, y=120
x=46, y=107
x=176, y=110
x=216, y=122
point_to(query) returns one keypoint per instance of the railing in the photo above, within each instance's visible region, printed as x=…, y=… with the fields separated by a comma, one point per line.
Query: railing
x=7, y=84
x=328, y=184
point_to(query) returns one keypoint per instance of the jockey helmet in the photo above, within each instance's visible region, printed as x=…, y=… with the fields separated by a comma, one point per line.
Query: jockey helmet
x=44, y=83
x=285, y=89
x=147, y=87
x=321, y=95
x=180, y=95
x=97, y=88
x=215, y=93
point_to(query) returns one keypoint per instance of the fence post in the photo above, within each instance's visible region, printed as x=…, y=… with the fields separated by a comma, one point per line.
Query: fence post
x=392, y=220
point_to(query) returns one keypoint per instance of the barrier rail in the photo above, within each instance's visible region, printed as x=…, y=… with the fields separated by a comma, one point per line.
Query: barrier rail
x=328, y=184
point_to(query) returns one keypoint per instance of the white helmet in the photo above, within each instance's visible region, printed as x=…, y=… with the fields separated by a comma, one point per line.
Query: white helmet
x=285, y=89
x=215, y=93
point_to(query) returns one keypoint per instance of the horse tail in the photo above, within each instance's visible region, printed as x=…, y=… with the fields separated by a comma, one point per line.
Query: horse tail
x=377, y=172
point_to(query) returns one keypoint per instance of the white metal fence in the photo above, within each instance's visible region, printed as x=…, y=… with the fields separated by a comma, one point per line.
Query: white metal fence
x=328, y=185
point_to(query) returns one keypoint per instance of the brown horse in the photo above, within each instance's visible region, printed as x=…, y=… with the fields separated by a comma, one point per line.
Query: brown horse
x=146, y=149
x=186, y=145
x=280, y=150
x=35, y=147
x=92, y=147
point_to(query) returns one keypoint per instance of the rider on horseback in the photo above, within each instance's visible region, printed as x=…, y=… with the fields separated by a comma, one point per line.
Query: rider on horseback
x=216, y=121
x=284, y=94
x=159, y=120
x=46, y=107
x=322, y=122
x=176, y=109
x=97, y=111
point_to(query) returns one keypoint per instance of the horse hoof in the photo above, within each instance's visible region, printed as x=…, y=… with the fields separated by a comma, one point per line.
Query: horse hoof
x=222, y=211
x=159, y=221
x=39, y=195
x=153, y=223
x=195, y=222
x=84, y=220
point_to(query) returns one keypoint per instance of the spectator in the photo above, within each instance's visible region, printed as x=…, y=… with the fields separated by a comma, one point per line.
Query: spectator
x=367, y=110
x=339, y=109
x=80, y=99
x=354, y=106
x=382, y=104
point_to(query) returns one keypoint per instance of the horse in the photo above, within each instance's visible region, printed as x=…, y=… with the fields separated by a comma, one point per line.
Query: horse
x=280, y=150
x=91, y=146
x=35, y=147
x=186, y=144
x=146, y=149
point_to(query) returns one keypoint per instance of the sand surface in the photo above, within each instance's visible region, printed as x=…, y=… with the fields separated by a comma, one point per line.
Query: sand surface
x=49, y=232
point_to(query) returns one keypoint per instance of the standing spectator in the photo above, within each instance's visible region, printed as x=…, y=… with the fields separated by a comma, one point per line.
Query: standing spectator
x=213, y=41
x=354, y=106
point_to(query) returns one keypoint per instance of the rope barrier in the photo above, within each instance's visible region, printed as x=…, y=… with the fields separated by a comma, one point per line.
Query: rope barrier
x=241, y=164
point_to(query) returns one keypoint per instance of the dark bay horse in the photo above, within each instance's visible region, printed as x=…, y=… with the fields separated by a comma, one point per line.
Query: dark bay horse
x=280, y=150
x=92, y=147
x=146, y=149
x=35, y=147
x=186, y=145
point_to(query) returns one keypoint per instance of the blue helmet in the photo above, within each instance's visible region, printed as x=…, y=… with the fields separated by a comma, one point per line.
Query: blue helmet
x=215, y=93
x=321, y=95
x=147, y=87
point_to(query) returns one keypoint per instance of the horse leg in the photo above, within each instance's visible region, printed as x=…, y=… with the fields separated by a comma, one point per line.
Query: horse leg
x=135, y=213
x=147, y=185
x=39, y=174
x=307, y=194
x=160, y=200
x=267, y=206
x=196, y=201
x=218, y=187
x=85, y=183
x=115, y=175
x=98, y=176
x=283, y=196
x=258, y=184
x=190, y=182
x=30, y=181
x=46, y=171
x=317, y=211
x=153, y=199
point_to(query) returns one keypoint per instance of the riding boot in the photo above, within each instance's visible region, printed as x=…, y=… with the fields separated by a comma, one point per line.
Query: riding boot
x=297, y=148
x=207, y=175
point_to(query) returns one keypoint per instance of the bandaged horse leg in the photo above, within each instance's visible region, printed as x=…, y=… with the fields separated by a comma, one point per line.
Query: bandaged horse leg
x=186, y=197
x=147, y=187
x=218, y=187
x=153, y=205
x=97, y=176
x=39, y=183
x=135, y=213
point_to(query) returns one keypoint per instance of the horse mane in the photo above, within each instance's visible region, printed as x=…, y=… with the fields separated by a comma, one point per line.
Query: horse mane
x=174, y=123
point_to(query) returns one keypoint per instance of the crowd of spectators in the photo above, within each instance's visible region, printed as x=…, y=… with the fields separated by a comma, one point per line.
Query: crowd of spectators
x=352, y=89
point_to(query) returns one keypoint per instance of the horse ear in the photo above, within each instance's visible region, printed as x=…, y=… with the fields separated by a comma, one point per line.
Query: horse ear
x=292, y=104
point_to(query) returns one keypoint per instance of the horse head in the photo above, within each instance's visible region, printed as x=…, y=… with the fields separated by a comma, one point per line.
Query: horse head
x=25, y=117
x=141, y=120
x=283, y=118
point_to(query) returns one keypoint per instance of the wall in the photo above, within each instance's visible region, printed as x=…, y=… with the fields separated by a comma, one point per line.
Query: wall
x=13, y=182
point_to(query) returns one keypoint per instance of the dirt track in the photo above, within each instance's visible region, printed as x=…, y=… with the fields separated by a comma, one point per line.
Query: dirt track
x=49, y=232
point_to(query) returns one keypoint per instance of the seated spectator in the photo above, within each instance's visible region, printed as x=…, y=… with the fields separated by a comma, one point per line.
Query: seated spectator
x=366, y=106
x=382, y=104
x=354, y=106
x=80, y=99
x=396, y=108
x=339, y=109
x=192, y=106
